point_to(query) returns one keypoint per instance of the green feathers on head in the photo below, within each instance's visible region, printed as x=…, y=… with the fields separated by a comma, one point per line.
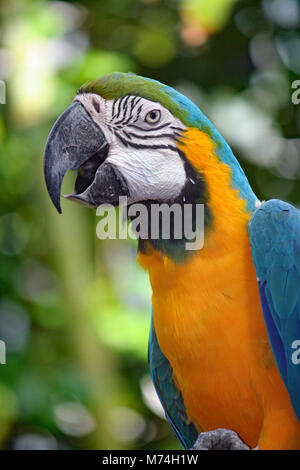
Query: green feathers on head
x=116, y=85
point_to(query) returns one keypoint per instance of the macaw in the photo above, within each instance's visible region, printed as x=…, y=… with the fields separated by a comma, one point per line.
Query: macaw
x=225, y=328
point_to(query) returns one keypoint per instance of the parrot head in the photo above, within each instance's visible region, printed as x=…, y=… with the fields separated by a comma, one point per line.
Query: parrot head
x=132, y=136
x=121, y=134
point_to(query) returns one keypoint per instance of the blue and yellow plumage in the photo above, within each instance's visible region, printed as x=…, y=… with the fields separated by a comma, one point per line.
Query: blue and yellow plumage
x=224, y=318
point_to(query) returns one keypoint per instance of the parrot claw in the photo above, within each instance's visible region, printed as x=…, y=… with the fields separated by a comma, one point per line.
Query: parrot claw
x=220, y=439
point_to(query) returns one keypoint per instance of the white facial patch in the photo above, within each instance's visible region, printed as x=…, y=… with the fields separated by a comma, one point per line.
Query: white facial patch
x=142, y=144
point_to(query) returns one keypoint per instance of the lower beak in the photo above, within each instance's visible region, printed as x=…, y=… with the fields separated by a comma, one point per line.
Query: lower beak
x=77, y=143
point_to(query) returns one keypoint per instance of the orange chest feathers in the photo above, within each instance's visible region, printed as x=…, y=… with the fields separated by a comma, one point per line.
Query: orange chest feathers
x=207, y=313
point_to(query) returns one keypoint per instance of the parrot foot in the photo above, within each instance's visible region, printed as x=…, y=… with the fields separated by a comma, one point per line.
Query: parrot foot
x=220, y=439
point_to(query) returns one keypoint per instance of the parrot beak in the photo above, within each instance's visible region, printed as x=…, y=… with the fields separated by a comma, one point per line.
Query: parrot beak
x=77, y=143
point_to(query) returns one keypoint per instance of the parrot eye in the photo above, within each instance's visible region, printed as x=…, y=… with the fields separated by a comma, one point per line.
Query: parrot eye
x=153, y=116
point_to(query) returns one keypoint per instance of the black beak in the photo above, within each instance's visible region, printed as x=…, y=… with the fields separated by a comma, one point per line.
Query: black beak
x=77, y=143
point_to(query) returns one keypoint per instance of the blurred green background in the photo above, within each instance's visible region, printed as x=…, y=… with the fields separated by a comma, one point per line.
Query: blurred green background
x=74, y=310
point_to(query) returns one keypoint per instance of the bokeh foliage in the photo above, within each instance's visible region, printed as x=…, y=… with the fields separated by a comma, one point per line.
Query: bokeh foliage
x=74, y=311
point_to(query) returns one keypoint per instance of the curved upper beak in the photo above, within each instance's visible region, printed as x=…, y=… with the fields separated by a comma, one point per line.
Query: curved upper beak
x=74, y=140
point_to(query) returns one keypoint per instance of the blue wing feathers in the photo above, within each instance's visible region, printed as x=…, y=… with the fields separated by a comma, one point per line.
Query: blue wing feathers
x=168, y=393
x=274, y=232
x=275, y=338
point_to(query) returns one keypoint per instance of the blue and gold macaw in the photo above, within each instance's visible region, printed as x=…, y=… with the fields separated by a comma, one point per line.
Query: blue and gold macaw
x=225, y=329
